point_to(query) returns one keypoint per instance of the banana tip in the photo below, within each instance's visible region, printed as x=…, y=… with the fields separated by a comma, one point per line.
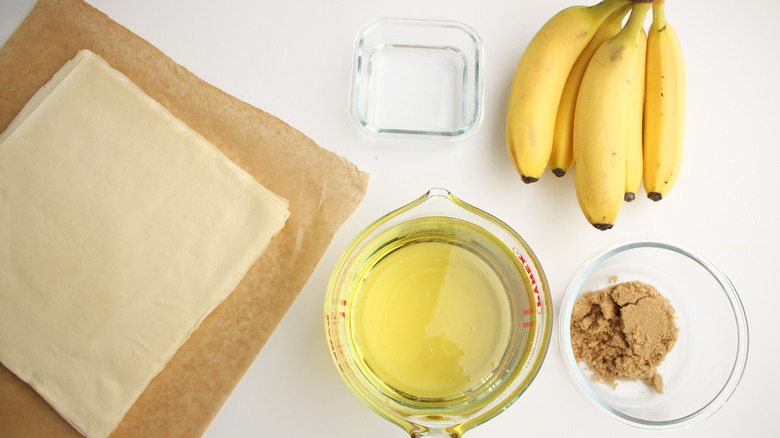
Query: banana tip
x=629, y=196
x=529, y=179
x=558, y=172
x=655, y=196
x=603, y=227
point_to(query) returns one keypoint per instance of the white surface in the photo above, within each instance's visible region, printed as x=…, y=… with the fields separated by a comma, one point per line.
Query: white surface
x=292, y=58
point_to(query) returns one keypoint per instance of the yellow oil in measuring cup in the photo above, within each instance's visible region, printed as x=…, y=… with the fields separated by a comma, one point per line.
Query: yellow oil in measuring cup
x=434, y=323
x=431, y=319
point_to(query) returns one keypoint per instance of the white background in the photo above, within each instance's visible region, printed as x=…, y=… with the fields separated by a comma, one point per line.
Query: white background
x=292, y=58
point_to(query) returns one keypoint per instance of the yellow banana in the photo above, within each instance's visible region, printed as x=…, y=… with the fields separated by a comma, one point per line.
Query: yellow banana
x=539, y=81
x=634, y=112
x=561, y=154
x=599, y=142
x=664, y=117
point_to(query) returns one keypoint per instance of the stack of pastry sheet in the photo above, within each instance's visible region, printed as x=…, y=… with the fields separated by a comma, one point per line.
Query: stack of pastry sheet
x=120, y=230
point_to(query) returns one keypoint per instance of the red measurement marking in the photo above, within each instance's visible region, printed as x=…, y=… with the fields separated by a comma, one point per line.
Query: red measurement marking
x=519, y=255
x=538, y=300
x=528, y=271
x=526, y=312
x=343, y=302
x=526, y=324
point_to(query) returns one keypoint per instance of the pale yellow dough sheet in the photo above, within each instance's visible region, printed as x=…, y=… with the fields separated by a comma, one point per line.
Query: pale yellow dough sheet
x=120, y=230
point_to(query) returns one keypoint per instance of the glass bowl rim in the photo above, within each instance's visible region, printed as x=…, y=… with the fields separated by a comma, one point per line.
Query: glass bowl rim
x=580, y=381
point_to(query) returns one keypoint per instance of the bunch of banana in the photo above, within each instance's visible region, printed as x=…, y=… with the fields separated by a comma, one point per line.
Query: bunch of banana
x=603, y=97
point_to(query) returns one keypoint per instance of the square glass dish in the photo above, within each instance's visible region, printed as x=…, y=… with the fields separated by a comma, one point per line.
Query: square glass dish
x=417, y=78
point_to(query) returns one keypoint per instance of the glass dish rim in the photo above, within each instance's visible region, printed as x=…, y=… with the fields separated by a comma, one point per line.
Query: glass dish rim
x=580, y=381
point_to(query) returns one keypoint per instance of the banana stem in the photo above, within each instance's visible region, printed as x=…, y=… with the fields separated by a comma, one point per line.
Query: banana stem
x=606, y=7
x=659, y=18
x=637, y=17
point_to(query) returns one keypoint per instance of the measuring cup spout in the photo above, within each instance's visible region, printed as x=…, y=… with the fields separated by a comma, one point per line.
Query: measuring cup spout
x=437, y=201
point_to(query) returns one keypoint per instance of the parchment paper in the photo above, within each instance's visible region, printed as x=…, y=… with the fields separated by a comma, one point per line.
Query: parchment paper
x=323, y=190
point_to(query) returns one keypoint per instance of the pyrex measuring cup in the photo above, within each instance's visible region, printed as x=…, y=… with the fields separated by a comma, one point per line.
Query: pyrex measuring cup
x=438, y=316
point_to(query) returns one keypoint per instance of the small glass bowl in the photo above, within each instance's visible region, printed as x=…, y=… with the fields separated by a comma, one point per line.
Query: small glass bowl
x=706, y=364
x=417, y=79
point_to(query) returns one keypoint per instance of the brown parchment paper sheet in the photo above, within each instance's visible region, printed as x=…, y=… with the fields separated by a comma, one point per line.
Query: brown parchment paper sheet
x=323, y=189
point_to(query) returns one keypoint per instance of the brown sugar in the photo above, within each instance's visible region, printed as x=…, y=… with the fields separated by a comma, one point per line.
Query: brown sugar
x=623, y=332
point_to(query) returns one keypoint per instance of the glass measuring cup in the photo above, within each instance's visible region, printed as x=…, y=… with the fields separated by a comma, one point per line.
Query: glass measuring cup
x=438, y=316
